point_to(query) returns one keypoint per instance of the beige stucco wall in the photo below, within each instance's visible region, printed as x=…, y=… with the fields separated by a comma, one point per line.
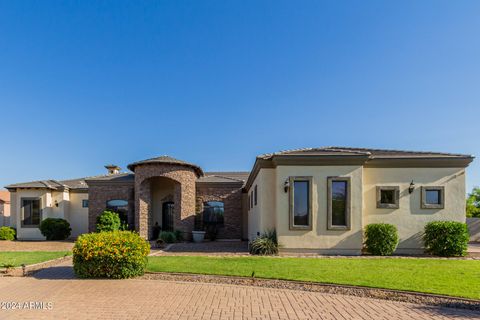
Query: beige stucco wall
x=4, y=214
x=261, y=217
x=69, y=208
x=77, y=215
x=319, y=239
x=410, y=218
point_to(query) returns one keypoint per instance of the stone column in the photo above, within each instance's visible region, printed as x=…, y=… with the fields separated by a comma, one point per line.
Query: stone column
x=143, y=203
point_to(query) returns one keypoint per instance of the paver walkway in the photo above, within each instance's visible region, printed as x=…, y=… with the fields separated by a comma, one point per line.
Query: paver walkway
x=36, y=245
x=156, y=299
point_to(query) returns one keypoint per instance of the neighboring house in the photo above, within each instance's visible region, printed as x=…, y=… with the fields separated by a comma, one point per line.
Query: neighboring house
x=4, y=208
x=318, y=200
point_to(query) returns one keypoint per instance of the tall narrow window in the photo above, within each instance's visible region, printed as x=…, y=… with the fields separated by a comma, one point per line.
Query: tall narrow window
x=251, y=199
x=300, y=203
x=256, y=194
x=338, y=203
x=31, y=212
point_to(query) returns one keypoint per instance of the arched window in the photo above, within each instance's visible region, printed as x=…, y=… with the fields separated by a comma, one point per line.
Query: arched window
x=213, y=213
x=119, y=206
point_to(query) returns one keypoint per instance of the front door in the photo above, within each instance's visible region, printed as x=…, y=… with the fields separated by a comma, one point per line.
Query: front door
x=167, y=216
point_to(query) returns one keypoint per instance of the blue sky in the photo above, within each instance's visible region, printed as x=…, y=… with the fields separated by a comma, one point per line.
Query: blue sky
x=86, y=83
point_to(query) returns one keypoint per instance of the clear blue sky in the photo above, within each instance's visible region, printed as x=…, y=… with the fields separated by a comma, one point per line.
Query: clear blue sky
x=86, y=83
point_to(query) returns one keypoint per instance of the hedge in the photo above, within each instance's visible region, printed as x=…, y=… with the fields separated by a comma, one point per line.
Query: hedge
x=55, y=229
x=446, y=238
x=381, y=239
x=108, y=221
x=115, y=254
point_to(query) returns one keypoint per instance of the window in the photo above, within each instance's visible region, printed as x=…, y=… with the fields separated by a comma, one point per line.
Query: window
x=256, y=194
x=433, y=197
x=213, y=213
x=31, y=212
x=388, y=197
x=84, y=203
x=119, y=206
x=251, y=199
x=338, y=189
x=300, y=203
x=249, y=203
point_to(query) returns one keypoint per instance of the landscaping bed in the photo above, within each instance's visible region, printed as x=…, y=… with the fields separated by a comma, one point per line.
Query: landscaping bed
x=451, y=277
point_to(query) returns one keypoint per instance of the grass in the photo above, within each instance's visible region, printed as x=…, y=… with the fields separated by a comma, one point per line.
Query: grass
x=459, y=278
x=17, y=258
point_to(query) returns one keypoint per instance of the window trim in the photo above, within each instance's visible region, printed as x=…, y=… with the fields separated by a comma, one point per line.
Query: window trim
x=291, y=190
x=22, y=212
x=426, y=205
x=396, y=199
x=348, y=213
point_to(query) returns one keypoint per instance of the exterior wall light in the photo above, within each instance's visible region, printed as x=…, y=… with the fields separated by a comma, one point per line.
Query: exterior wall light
x=286, y=185
x=411, y=187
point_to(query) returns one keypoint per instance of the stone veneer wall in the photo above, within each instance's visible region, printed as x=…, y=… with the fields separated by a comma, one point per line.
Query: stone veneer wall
x=184, y=196
x=231, y=196
x=99, y=194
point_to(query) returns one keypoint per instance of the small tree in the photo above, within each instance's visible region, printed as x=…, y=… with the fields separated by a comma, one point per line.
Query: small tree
x=108, y=221
x=473, y=203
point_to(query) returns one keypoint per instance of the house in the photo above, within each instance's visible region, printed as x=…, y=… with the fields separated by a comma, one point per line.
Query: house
x=4, y=208
x=318, y=200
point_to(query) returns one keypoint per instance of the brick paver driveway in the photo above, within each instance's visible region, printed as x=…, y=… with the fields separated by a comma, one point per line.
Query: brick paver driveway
x=155, y=299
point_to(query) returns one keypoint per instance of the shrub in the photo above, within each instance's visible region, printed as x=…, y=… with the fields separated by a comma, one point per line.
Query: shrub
x=446, y=238
x=178, y=235
x=55, y=228
x=116, y=254
x=266, y=244
x=381, y=239
x=167, y=237
x=108, y=221
x=7, y=233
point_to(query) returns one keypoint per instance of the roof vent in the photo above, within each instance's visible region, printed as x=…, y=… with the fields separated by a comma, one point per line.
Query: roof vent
x=112, y=169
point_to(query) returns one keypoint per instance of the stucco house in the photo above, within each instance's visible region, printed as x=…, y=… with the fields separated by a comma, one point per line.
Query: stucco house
x=4, y=208
x=318, y=200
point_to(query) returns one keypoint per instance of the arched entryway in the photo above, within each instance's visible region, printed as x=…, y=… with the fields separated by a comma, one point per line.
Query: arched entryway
x=161, y=180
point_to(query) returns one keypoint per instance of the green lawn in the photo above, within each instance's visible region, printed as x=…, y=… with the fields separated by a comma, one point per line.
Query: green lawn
x=448, y=277
x=17, y=258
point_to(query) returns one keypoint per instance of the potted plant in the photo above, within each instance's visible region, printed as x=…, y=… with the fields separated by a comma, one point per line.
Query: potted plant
x=198, y=234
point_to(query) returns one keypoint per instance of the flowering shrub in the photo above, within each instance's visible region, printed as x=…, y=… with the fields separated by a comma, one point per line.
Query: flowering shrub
x=116, y=254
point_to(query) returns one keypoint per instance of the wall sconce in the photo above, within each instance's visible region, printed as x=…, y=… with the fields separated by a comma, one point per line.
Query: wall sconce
x=56, y=203
x=286, y=185
x=411, y=187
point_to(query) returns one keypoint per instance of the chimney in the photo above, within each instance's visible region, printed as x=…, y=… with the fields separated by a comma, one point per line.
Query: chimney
x=112, y=169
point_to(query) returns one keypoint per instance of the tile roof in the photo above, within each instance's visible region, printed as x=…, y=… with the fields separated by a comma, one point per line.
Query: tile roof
x=371, y=153
x=224, y=177
x=167, y=160
x=5, y=196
